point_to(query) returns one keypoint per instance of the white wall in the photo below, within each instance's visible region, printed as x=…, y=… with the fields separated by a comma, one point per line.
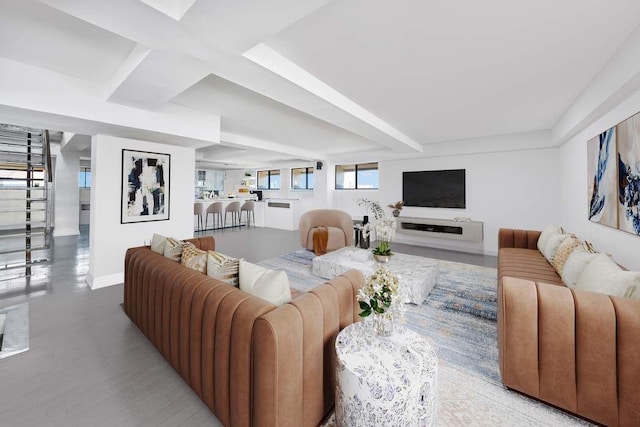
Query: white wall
x=109, y=239
x=67, y=195
x=624, y=247
x=516, y=189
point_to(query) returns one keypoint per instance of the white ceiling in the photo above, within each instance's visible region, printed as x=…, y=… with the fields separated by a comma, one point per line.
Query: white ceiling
x=45, y=37
x=440, y=70
x=307, y=79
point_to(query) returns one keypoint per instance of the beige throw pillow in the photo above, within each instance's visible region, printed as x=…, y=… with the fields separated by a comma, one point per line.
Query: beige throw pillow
x=223, y=267
x=269, y=285
x=552, y=244
x=564, y=250
x=575, y=264
x=546, y=233
x=157, y=243
x=173, y=249
x=604, y=276
x=194, y=258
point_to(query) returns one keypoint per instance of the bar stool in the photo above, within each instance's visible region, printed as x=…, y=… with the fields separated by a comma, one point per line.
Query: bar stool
x=234, y=209
x=216, y=210
x=249, y=208
x=198, y=210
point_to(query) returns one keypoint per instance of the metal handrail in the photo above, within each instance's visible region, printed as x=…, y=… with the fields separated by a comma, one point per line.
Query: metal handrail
x=47, y=147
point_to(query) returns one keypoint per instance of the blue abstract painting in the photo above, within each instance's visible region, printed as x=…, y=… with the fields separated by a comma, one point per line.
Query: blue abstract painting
x=601, y=153
x=628, y=160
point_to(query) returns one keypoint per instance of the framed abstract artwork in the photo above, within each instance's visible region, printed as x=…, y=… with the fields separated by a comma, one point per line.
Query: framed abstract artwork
x=145, y=186
x=614, y=176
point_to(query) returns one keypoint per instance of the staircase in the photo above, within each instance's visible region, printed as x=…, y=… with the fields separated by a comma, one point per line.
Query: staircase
x=25, y=177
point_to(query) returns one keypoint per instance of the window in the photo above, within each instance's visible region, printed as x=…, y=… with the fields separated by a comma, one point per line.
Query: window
x=18, y=178
x=269, y=180
x=360, y=176
x=302, y=178
x=85, y=178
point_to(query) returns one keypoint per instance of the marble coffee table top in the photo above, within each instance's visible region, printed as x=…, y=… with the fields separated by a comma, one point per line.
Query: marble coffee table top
x=417, y=274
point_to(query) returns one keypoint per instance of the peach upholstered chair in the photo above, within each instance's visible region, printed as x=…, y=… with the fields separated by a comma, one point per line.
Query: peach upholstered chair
x=339, y=224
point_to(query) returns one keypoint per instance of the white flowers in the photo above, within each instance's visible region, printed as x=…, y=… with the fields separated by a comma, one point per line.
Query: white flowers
x=385, y=229
x=381, y=293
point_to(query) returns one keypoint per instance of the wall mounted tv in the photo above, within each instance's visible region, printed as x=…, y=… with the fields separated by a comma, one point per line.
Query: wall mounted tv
x=434, y=189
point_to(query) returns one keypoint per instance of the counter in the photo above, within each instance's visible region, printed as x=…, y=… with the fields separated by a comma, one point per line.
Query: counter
x=282, y=213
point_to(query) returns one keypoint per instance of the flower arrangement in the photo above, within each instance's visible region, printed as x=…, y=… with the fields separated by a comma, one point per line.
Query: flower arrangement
x=383, y=297
x=380, y=293
x=397, y=207
x=385, y=232
x=372, y=205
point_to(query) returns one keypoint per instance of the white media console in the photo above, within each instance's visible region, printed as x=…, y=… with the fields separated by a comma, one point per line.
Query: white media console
x=444, y=228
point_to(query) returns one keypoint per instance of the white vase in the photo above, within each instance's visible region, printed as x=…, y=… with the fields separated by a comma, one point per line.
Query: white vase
x=382, y=259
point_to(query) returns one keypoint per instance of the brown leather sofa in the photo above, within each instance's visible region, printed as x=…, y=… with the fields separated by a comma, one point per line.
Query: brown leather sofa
x=575, y=349
x=252, y=363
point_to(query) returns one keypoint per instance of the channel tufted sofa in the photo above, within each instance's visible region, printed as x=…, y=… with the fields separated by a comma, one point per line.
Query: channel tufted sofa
x=252, y=363
x=575, y=349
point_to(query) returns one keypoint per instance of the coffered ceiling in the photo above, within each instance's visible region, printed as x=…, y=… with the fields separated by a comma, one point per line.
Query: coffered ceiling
x=252, y=82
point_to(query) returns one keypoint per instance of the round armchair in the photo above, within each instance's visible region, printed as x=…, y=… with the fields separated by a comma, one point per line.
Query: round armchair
x=338, y=223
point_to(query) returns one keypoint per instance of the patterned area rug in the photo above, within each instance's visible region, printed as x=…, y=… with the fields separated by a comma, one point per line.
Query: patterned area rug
x=459, y=319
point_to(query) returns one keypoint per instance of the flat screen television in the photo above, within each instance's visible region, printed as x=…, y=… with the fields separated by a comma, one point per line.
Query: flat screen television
x=434, y=189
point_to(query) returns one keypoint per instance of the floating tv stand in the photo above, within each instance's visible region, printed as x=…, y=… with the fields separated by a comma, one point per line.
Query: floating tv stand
x=444, y=228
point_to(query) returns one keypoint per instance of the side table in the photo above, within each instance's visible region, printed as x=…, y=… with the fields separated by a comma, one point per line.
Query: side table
x=385, y=381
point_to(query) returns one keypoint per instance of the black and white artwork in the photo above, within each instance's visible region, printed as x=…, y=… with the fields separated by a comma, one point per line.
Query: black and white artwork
x=145, y=186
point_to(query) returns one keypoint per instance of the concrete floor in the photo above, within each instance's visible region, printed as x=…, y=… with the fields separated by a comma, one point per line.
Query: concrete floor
x=88, y=365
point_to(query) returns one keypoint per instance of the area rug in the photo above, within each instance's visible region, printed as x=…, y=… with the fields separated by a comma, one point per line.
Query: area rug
x=459, y=319
x=459, y=316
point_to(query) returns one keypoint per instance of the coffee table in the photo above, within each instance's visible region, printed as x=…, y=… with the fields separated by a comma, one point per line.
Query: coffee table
x=418, y=275
x=382, y=381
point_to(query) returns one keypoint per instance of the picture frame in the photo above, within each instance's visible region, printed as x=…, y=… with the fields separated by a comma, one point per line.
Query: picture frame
x=613, y=181
x=145, y=188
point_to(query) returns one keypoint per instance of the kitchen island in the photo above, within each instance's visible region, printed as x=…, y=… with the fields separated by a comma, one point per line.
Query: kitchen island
x=259, y=212
x=282, y=213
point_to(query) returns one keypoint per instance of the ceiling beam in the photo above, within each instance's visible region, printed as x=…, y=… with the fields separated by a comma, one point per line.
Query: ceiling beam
x=273, y=61
x=156, y=78
x=245, y=141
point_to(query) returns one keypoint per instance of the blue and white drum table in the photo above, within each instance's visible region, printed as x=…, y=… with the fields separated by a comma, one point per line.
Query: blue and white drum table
x=385, y=381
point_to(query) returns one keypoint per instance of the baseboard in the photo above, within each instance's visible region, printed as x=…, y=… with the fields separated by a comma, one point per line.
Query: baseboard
x=103, y=281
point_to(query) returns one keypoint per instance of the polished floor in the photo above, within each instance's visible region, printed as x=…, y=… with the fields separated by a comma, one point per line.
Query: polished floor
x=88, y=365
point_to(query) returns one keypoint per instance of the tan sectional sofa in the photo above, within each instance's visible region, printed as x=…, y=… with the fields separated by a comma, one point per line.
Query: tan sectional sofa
x=575, y=349
x=252, y=363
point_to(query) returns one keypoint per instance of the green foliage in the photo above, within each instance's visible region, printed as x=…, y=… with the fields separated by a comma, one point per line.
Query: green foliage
x=383, y=249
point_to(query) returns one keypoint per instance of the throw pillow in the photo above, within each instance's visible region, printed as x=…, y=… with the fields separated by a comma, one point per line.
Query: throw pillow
x=157, y=243
x=552, y=244
x=222, y=267
x=270, y=285
x=575, y=264
x=604, y=276
x=564, y=250
x=194, y=258
x=546, y=233
x=173, y=249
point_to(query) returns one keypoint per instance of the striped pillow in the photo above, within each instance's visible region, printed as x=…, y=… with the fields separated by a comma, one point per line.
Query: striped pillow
x=564, y=250
x=173, y=249
x=223, y=267
x=194, y=258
